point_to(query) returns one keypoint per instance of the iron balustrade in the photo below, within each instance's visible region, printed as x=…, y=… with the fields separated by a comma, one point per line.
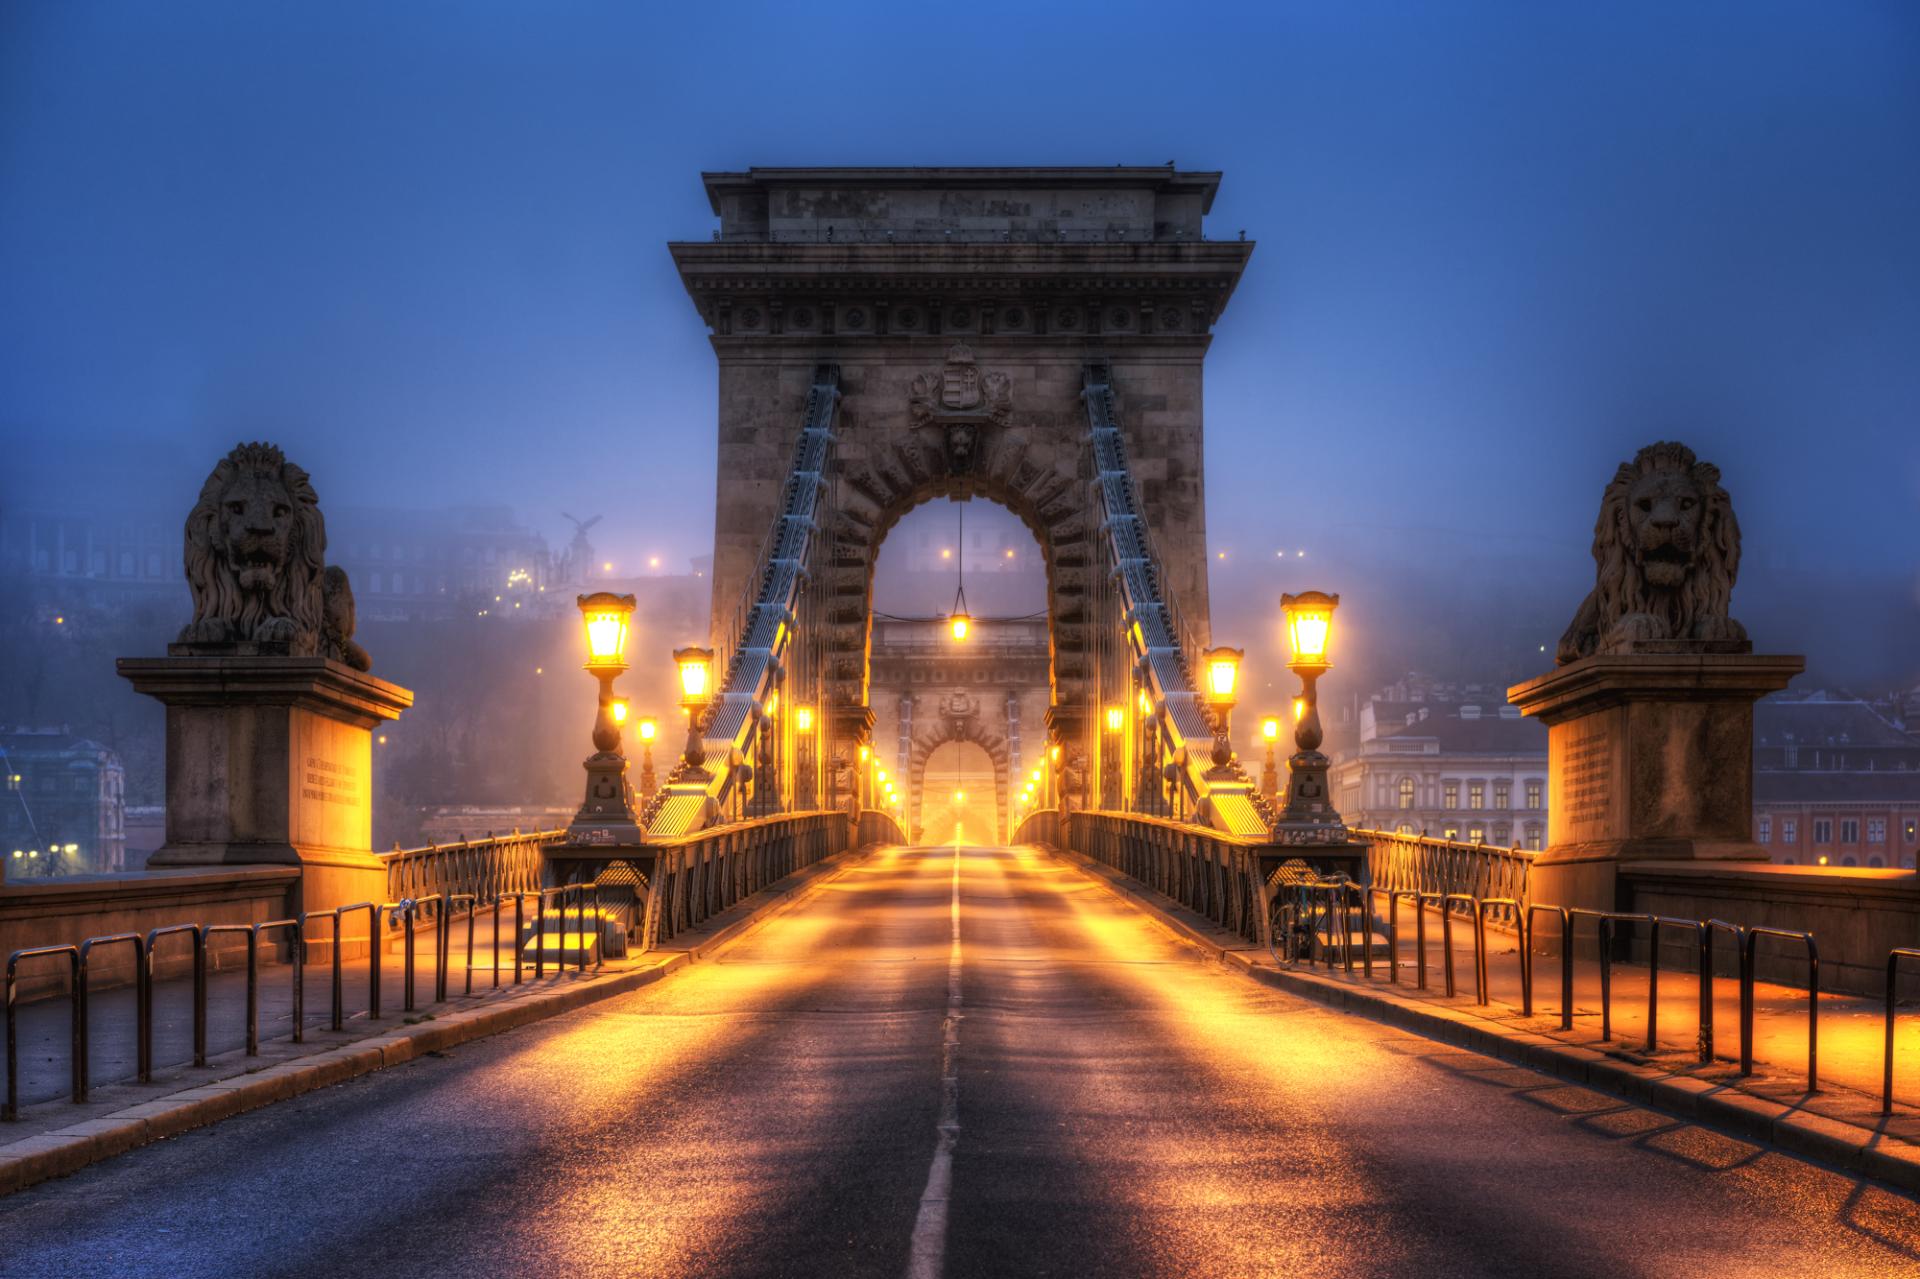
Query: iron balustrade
x=700, y=874
x=1208, y=871
x=1894, y=957
x=487, y=868
x=1423, y=864
x=143, y=1061
x=1566, y=960
x=207, y=933
x=78, y=1023
x=146, y=949
x=1516, y=912
x=191, y=931
x=1751, y=937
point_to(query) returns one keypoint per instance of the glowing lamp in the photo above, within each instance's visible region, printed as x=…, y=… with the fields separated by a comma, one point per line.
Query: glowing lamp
x=648, y=728
x=1034, y=777
x=864, y=752
x=803, y=719
x=1270, y=728
x=1053, y=753
x=1146, y=703
x=696, y=675
x=1309, y=625
x=1223, y=672
x=882, y=775
x=773, y=703
x=1116, y=719
x=619, y=707
x=960, y=623
x=959, y=797
x=607, y=616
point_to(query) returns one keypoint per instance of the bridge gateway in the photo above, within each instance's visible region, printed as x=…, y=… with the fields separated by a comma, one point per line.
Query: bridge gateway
x=961, y=308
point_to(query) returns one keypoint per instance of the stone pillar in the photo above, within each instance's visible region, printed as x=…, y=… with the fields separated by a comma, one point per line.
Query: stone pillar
x=1649, y=758
x=270, y=761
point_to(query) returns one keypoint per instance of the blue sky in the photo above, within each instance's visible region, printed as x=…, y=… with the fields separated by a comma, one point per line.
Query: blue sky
x=1501, y=245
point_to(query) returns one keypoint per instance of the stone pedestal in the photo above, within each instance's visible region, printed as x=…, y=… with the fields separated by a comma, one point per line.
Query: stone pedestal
x=1649, y=758
x=270, y=761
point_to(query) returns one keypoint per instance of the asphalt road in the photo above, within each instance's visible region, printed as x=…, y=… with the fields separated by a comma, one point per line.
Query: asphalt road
x=1122, y=1109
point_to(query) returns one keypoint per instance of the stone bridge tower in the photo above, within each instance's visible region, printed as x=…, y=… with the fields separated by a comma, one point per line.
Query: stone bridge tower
x=961, y=306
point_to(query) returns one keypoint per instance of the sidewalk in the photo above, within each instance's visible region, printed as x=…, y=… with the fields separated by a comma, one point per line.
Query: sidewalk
x=55, y=1136
x=1851, y=1038
x=45, y=1025
x=1840, y=1123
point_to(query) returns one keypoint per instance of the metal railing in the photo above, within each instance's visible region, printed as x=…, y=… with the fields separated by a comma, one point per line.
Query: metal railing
x=1418, y=863
x=441, y=910
x=487, y=868
x=1304, y=945
x=703, y=873
x=1208, y=871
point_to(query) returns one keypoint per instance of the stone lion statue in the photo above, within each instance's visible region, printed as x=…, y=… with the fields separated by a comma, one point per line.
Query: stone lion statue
x=1668, y=549
x=255, y=560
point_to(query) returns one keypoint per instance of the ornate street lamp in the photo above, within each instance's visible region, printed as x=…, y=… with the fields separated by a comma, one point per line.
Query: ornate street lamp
x=803, y=765
x=1222, y=667
x=1269, y=771
x=649, y=728
x=1309, y=816
x=606, y=815
x=696, y=692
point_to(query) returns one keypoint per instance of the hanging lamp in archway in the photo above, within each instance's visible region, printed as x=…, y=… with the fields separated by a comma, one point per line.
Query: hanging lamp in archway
x=960, y=620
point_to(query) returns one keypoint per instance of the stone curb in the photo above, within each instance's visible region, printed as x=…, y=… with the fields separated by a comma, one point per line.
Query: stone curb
x=1847, y=1146
x=67, y=1150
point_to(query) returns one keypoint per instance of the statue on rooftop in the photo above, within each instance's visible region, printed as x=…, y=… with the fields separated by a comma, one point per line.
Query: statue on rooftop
x=1667, y=548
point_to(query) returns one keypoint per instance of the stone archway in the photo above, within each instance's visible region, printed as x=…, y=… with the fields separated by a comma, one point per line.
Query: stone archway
x=958, y=716
x=962, y=440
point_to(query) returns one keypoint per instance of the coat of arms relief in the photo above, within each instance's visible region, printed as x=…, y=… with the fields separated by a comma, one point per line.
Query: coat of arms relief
x=962, y=400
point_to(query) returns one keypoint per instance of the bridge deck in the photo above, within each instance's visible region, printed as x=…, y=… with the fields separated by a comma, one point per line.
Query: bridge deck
x=1122, y=1109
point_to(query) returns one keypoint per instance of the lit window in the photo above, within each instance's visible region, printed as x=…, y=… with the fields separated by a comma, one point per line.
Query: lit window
x=1533, y=793
x=1450, y=795
x=1476, y=795
x=1533, y=838
x=1451, y=832
x=1406, y=792
x=1476, y=834
x=1502, y=794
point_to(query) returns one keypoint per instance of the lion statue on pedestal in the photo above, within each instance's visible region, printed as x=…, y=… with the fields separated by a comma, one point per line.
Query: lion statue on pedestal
x=1668, y=549
x=256, y=562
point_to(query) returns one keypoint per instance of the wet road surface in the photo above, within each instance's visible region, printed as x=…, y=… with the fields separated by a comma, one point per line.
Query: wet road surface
x=1122, y=1108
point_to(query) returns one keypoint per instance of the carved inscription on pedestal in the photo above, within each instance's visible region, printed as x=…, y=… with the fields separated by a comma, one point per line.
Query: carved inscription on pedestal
x=330, y=783
x=1588, y=775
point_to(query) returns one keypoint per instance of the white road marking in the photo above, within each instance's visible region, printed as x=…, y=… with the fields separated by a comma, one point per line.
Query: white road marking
x=929, y=1256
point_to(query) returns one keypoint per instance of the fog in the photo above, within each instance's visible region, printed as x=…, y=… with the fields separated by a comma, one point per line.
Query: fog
x=1499, y=248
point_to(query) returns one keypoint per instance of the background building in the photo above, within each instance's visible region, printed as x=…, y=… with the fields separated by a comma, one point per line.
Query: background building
x=1835, y=783
x=62, y=809
x=1453, y=761
x=409, y=565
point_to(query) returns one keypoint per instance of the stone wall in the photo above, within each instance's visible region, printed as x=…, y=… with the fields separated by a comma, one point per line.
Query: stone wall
x=68, y=911
x=1856, y=916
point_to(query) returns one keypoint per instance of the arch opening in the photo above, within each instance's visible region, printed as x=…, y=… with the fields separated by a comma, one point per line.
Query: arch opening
x=958, y=790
